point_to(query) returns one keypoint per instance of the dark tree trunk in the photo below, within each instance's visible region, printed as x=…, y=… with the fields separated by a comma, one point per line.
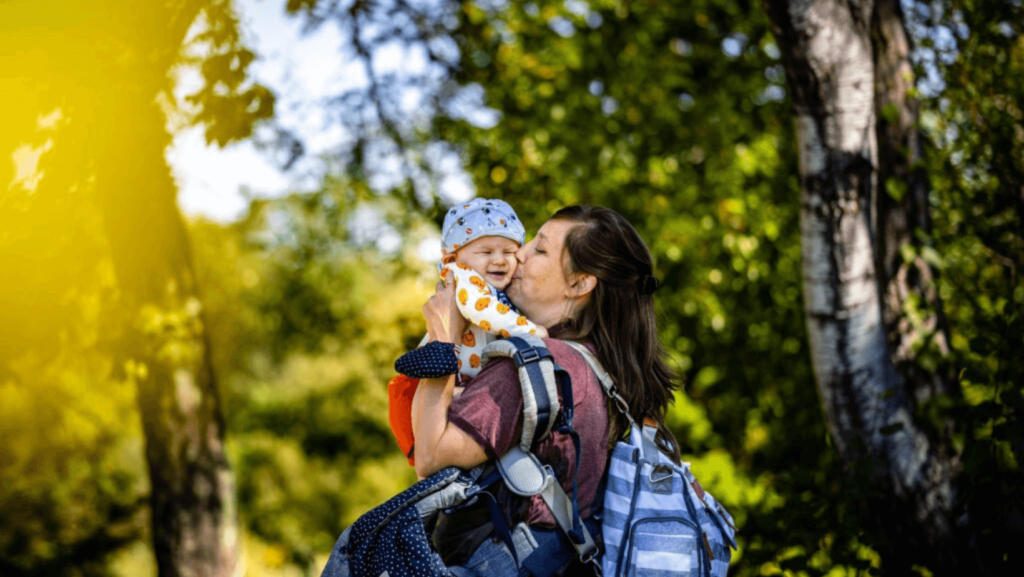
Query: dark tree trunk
x=847, y=70
x=192, y=487
x=902, y=206
x=105, y=77
x=192, y=496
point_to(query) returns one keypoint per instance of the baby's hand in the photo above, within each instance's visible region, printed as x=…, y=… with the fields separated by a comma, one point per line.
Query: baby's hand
x=542, y=332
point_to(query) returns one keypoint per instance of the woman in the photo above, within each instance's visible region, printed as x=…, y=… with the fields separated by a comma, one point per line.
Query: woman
x=588, y=277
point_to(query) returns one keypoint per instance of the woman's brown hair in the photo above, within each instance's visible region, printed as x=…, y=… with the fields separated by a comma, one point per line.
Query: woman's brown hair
x=619, y=317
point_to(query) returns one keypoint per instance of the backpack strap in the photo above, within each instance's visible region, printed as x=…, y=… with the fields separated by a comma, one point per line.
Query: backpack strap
x=606, y=380
x=645, y=434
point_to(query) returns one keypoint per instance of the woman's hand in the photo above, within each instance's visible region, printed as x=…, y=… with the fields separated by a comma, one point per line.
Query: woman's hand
x=444, y=321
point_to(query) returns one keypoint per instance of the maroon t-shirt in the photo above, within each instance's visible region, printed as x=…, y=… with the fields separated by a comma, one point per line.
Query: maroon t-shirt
x=490, y=410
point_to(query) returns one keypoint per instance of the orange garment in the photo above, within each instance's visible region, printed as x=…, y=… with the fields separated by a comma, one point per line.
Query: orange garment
x=401, y=390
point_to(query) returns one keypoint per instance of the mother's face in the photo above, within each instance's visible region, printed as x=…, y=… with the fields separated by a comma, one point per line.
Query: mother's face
x=539, y=287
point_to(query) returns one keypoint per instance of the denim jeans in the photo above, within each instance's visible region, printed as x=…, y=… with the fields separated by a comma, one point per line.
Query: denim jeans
x=491, y=559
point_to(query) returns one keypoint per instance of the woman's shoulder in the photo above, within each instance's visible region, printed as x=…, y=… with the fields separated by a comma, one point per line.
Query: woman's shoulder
x=565, y=342
x=502, y=370
x=573, y=361
x=562, y=348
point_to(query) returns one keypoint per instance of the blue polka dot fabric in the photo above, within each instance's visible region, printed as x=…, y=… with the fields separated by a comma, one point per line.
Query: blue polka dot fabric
x=391, y=539
x=431, y=361
x=436, y=359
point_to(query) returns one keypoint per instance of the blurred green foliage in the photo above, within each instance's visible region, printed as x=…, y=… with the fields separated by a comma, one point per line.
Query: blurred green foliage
x=308, y=324
x=86, y=97
x=674, y=115
x=976, y=164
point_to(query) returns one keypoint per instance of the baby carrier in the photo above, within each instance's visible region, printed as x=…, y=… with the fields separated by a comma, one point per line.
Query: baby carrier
x=646, y=531
x=392, y=540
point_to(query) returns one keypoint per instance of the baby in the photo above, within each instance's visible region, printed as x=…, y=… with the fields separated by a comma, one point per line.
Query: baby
x=479, y=240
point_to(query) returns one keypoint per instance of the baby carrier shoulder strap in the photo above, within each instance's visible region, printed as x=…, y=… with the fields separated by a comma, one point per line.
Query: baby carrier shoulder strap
x=541, y=379
x=537, y=377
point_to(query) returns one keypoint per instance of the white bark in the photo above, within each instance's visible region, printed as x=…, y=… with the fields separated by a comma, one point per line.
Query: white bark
x=830, y=56
x=861, y=391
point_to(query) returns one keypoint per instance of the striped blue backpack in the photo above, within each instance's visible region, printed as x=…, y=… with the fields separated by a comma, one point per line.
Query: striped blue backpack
x=657, y=520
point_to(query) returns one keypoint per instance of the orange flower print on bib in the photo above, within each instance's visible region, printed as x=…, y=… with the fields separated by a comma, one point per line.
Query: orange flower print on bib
x=463, y=296
x=478, y=283
x=482, y=303
x=521, y=321
x=502, y=308
x=485, y=325
x=474, y=361
x=468, y=339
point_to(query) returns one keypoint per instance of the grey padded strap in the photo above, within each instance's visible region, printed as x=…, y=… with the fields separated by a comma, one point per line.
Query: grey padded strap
x=521, y=470
x=525, y=476
x=523, y=473
x=452, y=495
x=561, y=509
x=503, y=348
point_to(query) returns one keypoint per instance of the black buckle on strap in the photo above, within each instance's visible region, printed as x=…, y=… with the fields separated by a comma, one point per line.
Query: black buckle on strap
x=530, y=355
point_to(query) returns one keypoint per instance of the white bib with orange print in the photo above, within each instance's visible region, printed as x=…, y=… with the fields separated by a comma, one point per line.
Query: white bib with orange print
x=489, y=318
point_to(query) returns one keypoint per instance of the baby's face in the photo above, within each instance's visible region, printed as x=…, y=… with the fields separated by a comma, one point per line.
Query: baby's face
x=493, y=257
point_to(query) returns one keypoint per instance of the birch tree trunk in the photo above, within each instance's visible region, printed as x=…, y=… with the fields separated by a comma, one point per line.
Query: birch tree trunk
x=850, y=244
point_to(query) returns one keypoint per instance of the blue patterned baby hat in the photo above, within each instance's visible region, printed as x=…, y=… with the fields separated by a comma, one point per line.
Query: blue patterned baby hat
x=466, y=222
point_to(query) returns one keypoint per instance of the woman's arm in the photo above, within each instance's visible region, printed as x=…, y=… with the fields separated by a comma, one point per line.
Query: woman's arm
x=439, y=444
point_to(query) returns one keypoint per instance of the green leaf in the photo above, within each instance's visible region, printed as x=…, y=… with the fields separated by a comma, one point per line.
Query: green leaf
x=895, y=188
